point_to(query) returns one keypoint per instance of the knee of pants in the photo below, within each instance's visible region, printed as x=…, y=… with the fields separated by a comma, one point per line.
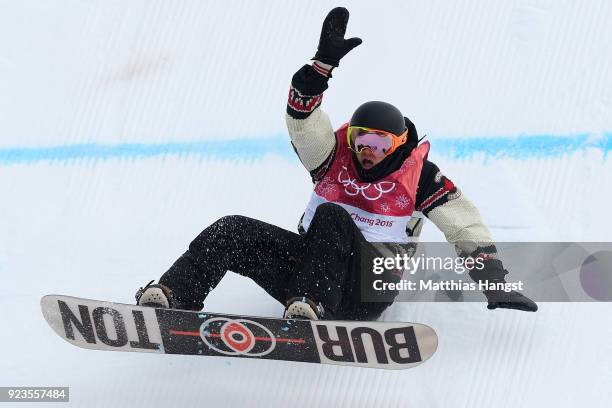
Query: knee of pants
x=332, y=211
x=229, y=221
x=219, y=230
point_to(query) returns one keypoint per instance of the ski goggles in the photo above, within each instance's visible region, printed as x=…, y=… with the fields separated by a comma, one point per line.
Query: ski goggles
x=380, y=142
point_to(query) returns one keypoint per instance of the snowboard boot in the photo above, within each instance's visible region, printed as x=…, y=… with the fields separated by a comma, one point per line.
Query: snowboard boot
x=156, y=295
x=303, y=308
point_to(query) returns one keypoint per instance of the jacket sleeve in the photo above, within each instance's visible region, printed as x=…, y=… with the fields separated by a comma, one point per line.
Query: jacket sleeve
x=459, y=220
x=310, y=129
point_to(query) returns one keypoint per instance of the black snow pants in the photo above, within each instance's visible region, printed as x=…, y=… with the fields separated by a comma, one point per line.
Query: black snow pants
x=324, y=264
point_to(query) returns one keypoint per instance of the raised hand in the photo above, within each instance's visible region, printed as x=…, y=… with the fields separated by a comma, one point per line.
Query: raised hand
x=332, y=45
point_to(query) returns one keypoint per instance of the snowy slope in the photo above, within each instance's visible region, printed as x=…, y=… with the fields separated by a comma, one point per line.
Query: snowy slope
x=96, y=96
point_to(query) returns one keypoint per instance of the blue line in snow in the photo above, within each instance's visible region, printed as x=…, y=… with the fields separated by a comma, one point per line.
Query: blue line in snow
x=517, y=147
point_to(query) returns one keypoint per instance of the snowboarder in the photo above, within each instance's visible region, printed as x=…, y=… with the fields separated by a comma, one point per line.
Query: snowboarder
x=372, y=185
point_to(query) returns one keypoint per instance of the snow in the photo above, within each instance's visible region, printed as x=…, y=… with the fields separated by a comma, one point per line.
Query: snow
x=154, y=73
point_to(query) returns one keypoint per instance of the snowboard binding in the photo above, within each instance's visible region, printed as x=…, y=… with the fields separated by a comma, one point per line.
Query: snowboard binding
x=155, y=295
x=303, y=308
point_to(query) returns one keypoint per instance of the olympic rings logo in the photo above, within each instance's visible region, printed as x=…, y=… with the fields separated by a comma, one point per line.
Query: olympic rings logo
x=237, y=337
x=352, y=188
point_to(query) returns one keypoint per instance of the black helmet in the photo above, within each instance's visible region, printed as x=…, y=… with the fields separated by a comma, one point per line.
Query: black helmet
x=379, y=115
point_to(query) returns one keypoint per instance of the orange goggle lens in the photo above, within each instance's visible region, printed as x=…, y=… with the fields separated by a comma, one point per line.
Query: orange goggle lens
x=380, y=142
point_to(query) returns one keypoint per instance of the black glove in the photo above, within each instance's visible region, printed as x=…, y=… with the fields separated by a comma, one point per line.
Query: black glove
x=494, y=272
x=332, y=45
x=509, y=300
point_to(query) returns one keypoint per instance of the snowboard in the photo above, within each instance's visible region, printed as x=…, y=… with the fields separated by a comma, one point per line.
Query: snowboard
x=102, y=325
